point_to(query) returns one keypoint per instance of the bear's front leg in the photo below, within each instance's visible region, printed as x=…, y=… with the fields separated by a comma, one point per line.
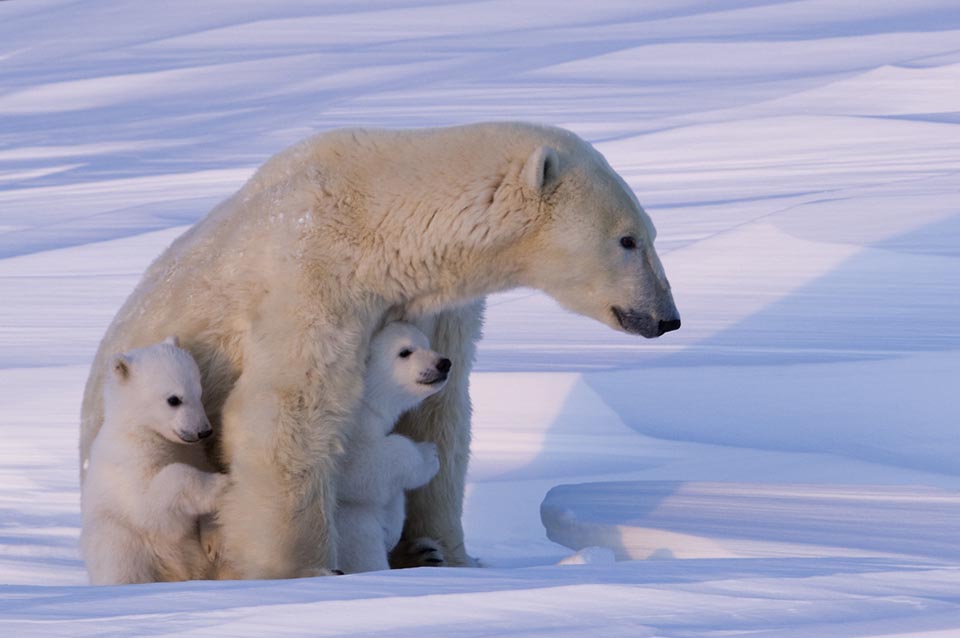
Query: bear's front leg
x=435, y=510
x=281, y=443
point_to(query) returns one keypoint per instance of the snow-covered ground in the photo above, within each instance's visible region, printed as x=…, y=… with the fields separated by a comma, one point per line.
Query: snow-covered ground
x=784, y=465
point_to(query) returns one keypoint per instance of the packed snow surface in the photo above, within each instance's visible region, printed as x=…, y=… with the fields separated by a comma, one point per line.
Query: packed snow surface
x=784, y=465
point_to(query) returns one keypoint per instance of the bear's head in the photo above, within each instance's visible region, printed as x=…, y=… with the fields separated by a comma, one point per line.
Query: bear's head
x=592, y=248
x=158, y=387
x=402, y=370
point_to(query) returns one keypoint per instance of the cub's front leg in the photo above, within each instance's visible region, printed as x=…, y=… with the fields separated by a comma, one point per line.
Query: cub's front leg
x=406, y=464
x=178, y=494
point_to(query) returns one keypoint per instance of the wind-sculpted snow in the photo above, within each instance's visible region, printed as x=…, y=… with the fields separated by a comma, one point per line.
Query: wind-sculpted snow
x=800, y=162
x=676, y=519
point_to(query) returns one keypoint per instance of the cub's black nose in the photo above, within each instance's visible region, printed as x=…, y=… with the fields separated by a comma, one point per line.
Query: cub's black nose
x=443, y=365
x=204, y=433
x=669, y=326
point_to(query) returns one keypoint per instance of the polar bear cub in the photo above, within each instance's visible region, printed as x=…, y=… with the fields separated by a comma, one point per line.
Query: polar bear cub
x=378, y=466
x=149, y=483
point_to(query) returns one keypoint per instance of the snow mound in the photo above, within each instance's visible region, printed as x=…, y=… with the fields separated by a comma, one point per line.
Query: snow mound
x=666, y=519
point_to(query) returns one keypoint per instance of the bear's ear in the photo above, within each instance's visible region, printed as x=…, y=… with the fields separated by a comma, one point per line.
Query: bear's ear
x=173, y=341
x=542, y=169
x=121, y=367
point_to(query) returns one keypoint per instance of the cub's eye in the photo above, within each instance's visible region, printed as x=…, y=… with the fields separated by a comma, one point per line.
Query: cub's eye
x=628, y=242
x=406, y=352
x=173, y=401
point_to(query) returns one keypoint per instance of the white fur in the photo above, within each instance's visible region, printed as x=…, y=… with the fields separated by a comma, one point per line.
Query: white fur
x=379, y=466
x=277, y=291
x=149, y=483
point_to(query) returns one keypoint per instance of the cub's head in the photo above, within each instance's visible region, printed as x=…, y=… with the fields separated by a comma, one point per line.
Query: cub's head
x=158, y=387
x=592, y=248
x=402, y=370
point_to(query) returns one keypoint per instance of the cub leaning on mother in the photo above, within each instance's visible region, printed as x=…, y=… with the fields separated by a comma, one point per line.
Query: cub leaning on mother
x=277, y=291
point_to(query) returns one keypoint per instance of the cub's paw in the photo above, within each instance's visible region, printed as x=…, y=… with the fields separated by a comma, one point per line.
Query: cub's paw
x=215, y=485
x=431, y=459
x=419, y=552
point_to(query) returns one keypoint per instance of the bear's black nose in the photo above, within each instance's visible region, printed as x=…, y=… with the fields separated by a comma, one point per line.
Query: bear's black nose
x=443, y=365
x=202, y=434
x=669, y=326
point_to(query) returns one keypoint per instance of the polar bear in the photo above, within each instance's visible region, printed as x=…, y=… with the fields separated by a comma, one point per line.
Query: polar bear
x=149, y=485
x=379, y=466
x=277, y=291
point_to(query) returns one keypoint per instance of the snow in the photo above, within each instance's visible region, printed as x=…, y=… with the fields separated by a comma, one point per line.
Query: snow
x=784, y=465
x=687, y=519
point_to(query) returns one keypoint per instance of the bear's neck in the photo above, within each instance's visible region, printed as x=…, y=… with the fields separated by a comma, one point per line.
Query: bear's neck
x=420, y=238
x=425, y=266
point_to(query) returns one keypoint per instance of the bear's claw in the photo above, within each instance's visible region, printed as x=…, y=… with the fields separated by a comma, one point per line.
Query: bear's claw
x=419, y=552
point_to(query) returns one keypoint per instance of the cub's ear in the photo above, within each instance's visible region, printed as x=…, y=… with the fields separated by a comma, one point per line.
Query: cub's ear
x=121, y=367
x=542, y=169
x=173, y=341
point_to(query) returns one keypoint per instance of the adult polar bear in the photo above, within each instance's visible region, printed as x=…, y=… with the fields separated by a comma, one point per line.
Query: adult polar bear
x=277, y=291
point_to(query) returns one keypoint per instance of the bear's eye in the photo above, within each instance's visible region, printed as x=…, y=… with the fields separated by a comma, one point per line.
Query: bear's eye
x=406, y=352
x=173, y=401
x=628, y=242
